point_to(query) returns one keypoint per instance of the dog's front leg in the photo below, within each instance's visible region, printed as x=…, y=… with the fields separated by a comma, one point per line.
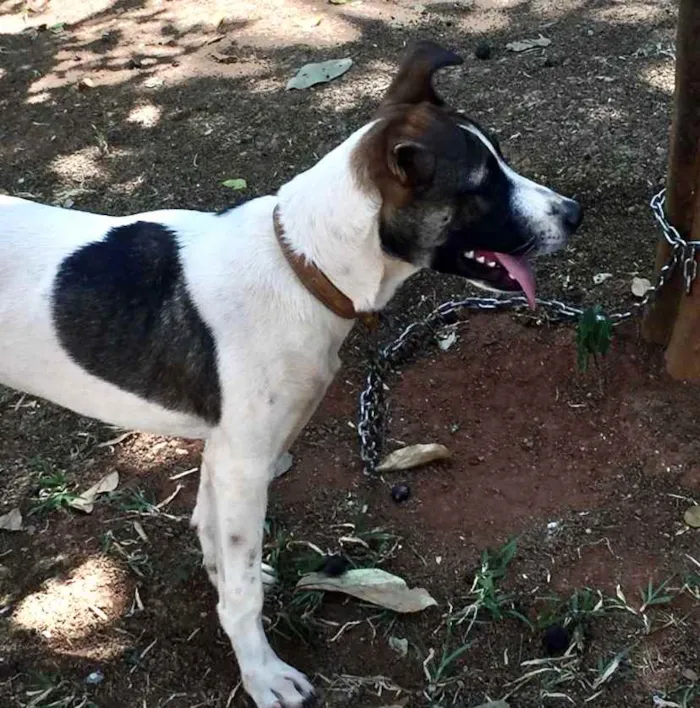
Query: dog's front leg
x=239, y=485
x=204, y=520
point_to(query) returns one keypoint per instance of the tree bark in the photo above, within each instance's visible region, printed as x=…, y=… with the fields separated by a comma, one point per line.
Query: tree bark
x=683, y=352
x=683, y=171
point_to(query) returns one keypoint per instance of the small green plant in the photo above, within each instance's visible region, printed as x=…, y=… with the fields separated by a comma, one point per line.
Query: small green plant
x=607, y=669
x=593, y=336
x=485, y=595
x=130, y=550
x=50, y=690
x=53, y=493
x=583, y=604
x=443, y=672
x=684, y=696
x=295, y=618
x=655, y=595
x=134, y=500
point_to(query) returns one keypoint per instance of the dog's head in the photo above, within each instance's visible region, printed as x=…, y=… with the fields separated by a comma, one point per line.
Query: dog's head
x=449, y=199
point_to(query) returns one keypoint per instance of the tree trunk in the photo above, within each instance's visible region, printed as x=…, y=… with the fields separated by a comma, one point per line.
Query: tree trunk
x=683, y=174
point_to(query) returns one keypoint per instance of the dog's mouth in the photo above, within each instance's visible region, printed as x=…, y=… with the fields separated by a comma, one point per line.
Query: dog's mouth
x=503, y=272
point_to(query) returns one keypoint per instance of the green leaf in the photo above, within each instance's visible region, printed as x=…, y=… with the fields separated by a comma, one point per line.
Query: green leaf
x=320, y=73
x=237, y=184
x=593, y=336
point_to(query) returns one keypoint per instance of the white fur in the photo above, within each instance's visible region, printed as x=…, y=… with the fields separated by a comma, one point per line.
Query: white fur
x=272, y=337
x=277, y=351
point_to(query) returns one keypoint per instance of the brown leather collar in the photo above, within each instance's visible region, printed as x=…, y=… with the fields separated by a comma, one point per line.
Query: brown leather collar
x=318, y=283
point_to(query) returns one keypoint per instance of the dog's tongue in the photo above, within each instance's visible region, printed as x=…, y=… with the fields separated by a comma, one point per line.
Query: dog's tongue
x=521, y=270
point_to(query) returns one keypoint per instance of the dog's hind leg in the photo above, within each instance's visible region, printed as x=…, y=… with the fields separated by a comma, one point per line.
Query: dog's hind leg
x=239, y=484
x=204, y=520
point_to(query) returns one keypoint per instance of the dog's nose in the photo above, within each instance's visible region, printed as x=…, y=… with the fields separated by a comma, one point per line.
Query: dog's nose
x=572, y=214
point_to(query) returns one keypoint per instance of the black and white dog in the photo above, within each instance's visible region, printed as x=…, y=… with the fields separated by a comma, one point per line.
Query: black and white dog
x=161, y=321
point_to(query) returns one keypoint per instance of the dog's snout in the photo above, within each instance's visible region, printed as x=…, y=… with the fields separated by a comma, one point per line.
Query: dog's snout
x=572, y=214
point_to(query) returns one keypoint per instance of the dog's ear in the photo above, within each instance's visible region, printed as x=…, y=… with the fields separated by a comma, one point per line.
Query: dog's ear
x=414, y=81
x=412, y=162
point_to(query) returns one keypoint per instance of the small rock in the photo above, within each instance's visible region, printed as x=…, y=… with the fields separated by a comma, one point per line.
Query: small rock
x=12, y=521
x=399, y=645
x=640, y=286
x=527, y=443
x=690, y=675
x=599, y=278
x=334, y=565
x=483, y=51
x=94, y=678
x=556, y=640
x=86, y=83
x=692, y=516
x=400, y=492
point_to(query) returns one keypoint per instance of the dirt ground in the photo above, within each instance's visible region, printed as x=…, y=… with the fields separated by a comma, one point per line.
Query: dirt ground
x=138, y=104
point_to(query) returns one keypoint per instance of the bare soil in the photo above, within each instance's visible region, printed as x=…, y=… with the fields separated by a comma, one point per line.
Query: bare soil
x=138, y=104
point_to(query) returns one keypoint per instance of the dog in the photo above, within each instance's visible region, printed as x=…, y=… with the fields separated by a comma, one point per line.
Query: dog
x=227, y=327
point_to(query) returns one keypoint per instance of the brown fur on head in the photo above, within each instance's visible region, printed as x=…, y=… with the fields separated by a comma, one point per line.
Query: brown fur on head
x=446, y=191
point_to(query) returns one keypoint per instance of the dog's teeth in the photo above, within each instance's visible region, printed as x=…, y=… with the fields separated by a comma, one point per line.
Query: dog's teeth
x=480, y=259
x=491, y=264
x=469, y=254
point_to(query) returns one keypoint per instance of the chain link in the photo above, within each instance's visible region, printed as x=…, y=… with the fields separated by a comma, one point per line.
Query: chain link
x=373, y=403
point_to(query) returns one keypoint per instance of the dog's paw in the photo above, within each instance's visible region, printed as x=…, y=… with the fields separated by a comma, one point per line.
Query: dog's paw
x=278, y=685
x=269, y=576
x=283, y=464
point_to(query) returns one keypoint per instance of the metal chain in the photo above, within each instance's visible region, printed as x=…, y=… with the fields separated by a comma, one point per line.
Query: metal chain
x=370, y=427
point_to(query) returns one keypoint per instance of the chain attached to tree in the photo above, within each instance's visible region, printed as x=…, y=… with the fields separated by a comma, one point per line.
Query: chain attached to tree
x=593, y=336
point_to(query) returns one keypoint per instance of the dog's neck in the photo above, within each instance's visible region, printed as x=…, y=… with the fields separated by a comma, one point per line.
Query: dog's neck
x=334, y=222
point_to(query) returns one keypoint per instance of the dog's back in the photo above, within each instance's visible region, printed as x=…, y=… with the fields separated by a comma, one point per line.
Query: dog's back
x=40, y=246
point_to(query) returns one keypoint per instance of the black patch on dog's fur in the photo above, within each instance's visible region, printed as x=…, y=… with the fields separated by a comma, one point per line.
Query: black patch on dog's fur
x=122, y=311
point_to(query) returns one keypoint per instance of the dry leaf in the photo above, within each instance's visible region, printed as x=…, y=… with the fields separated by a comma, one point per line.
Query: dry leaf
x=413, y=456
x=12, y=521
x=86, y=501
x=371, y=585
x=117, y=440
x=692, y=516
x=223, y=58
x=525, y=45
